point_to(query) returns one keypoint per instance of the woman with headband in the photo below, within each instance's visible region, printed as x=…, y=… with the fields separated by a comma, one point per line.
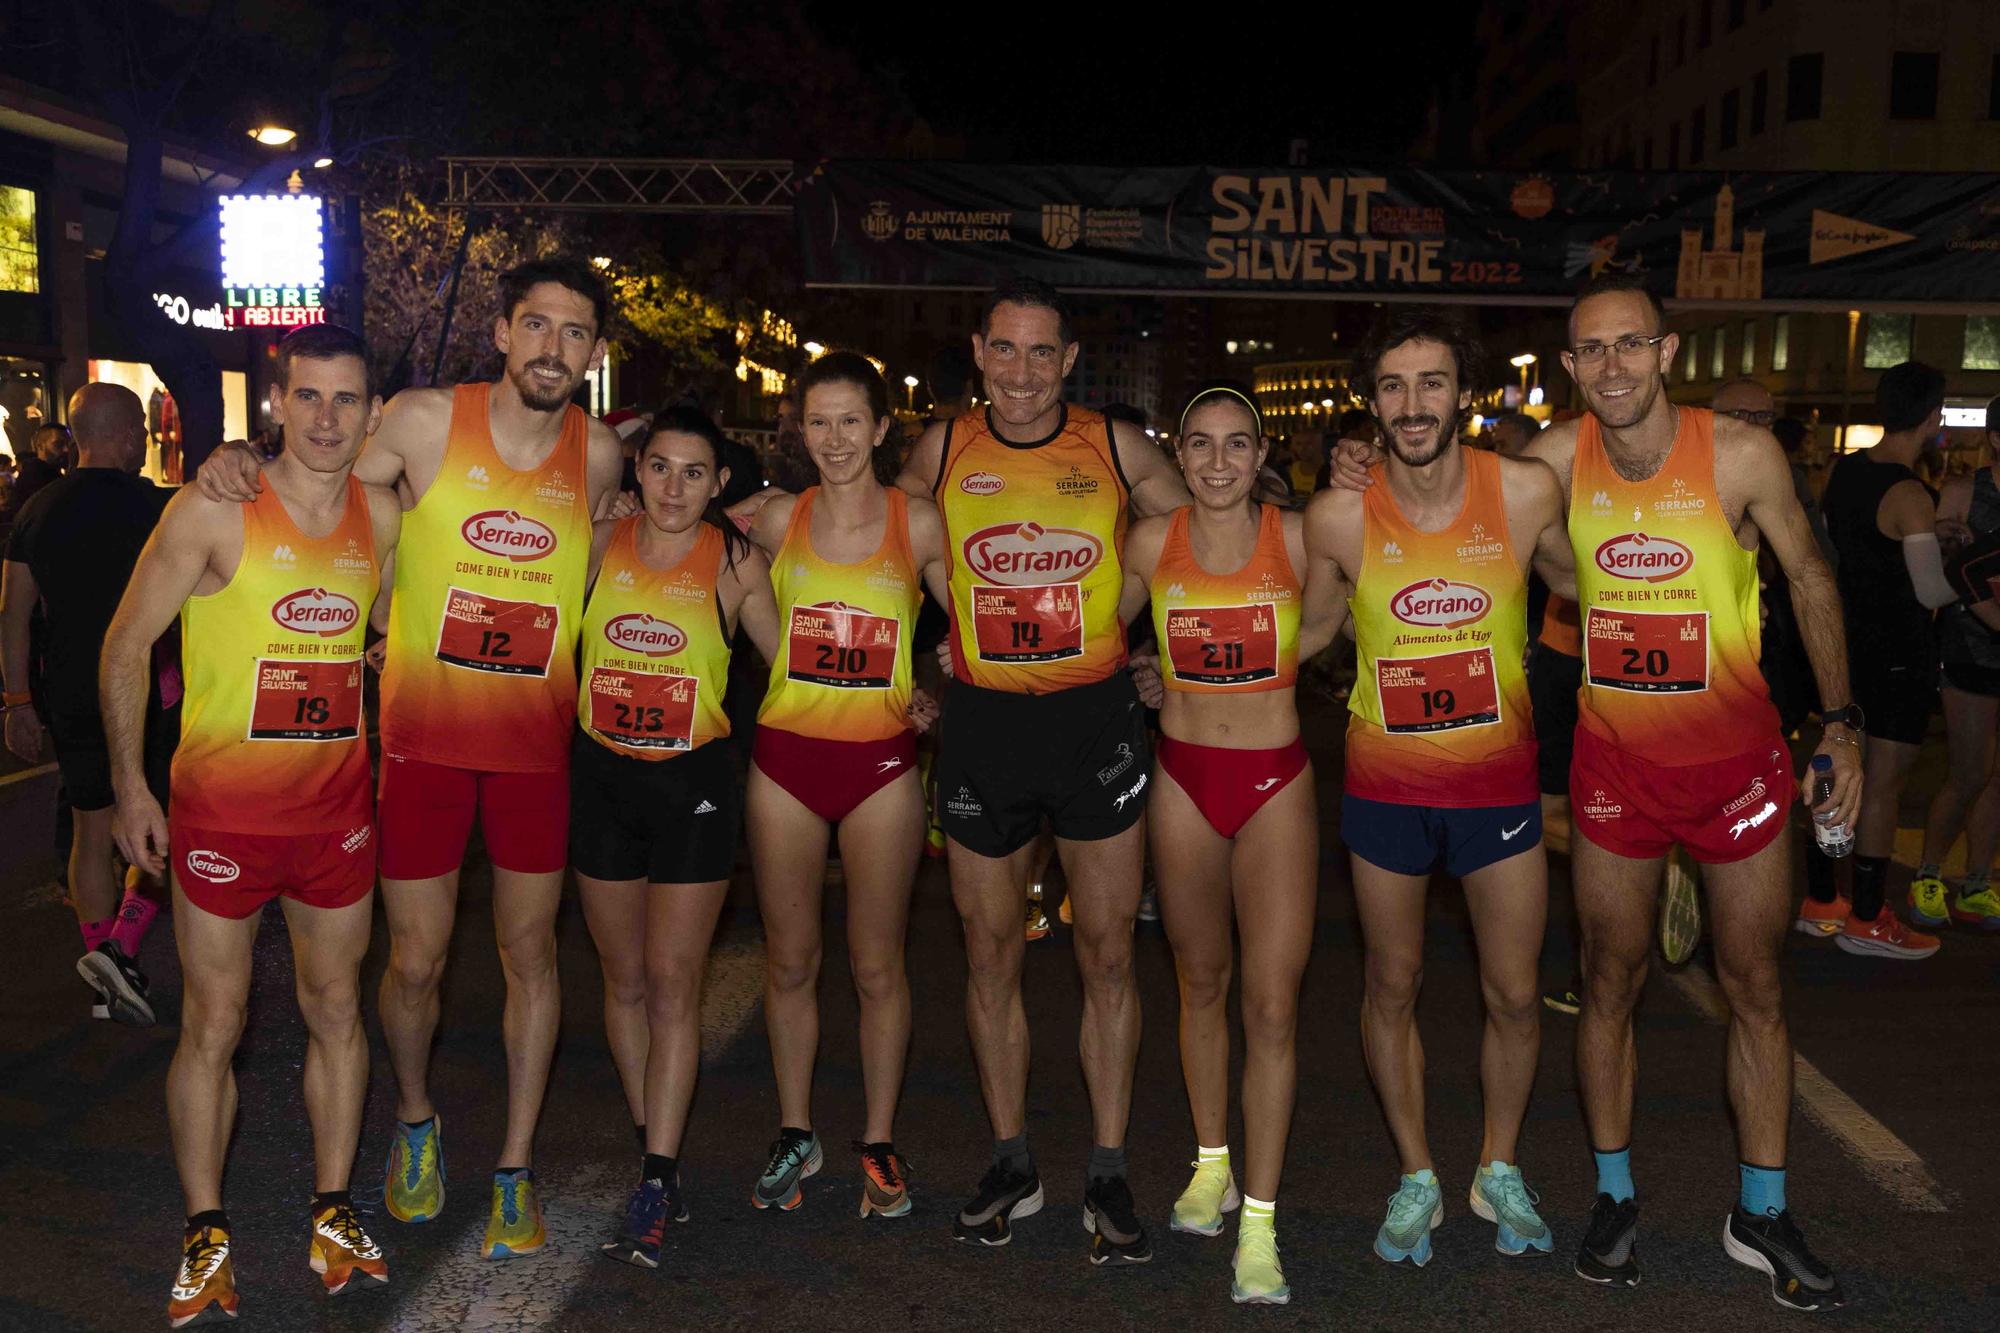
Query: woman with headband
x=1234, y=826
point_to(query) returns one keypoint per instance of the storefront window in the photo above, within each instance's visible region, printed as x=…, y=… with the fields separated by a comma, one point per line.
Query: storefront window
x=163, y=427
x=1982, y=343
x=24, y=404
x=20, y=259
x=1886, y=342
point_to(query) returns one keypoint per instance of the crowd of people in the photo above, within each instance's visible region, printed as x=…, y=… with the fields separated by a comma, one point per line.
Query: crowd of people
x=555, y=619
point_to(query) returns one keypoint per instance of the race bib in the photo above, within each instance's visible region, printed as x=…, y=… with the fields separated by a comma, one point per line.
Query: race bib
x=1439, y=693
x=1653, y=652
x=306, y=701
x=643, y=709
x=1223, y=645
x=1028, y=623
x=484, y=633
x=842, y=646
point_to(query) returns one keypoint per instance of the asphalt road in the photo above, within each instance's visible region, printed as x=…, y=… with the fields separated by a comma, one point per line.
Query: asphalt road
x=1887, y=1165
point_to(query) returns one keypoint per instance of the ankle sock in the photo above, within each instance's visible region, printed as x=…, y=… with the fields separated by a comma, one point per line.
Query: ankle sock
x=1614, y=1173
x=331, y=1199
x=96, y=932
x=1106, y=1163
x=1761, y=1189
x=1258, y=1212
x=214, y=1217
x=518, y=1172
x=1013, y=1154
x=794, y=1132
x=657, y=1168
x=1928, y=870
x=412, y=1126
x=134, y=919
x=1869, y=874
x=1203, y=1156
x=1972, y=884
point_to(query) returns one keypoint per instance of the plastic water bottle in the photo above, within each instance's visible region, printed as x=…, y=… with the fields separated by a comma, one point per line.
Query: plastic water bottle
x=1833, y=839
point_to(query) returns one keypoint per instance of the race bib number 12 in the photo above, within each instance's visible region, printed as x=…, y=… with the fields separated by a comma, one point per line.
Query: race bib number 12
x=486, y=633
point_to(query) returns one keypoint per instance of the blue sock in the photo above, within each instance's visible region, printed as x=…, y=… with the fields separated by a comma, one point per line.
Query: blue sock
x=1614, y=1173
x=1762, y=1190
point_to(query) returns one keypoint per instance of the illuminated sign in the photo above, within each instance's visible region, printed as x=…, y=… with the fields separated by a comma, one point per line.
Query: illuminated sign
x=1965, y=418
x=272, y=307
x=178, y=309
x=272, y=240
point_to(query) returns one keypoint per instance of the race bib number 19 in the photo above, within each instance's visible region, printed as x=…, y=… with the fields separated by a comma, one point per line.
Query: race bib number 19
x=1439, y=693
x=486, y=633
x=1652, y=652
x=1028, y=623
x=306, y=701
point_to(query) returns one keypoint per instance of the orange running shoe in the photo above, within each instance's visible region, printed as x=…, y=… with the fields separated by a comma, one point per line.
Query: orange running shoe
x=342, y=1251
x=1885, y=936
x=885, y=1189
x=1822, y=920
x=205, y=1288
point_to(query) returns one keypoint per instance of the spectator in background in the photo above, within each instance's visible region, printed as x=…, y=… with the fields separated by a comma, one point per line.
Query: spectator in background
x=789, y=469
x=1356, y=423
x=948, y=379
x=1511, y=432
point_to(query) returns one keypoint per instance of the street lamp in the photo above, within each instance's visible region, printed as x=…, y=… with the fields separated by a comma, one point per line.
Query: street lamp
x=910, y=392
x=1521, y=363
x=273, y=136
x=815, y=350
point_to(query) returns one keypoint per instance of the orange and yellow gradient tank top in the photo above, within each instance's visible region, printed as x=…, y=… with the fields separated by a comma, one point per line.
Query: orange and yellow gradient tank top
x=1232, y=633
x=843, y=668
x=655, y=649
x=1669, y=598
x=481, y=670
x=1032, y=533
x=272, y=737
x=1439, y=712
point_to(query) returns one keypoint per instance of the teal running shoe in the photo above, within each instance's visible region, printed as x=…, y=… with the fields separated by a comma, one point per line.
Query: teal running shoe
x=1415, y=1210
x=1501, y=1196
x=794, y=1157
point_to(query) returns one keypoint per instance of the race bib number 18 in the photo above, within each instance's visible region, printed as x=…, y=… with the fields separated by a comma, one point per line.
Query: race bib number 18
x=1028, y=623
x=306, y=701
x=1439, y=693
x=1652, y=652
x=485, y=633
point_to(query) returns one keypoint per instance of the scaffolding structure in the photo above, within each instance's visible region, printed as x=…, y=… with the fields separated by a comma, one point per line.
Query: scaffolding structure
x=742, y=187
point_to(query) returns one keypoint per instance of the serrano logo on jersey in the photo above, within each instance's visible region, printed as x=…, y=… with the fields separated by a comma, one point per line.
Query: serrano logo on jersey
x=1029, y=553
x=982, y=483
x=212, y=866
x=1634, y=555
x=509, y=533
x=1441, y=603
x=637, y=632
x=316, y=611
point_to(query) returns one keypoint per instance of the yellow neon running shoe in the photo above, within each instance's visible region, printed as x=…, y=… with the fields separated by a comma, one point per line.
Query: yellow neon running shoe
x=515, y=1225
x=1680, y=909
x=415, y=1192
x=1981, y=909
x=1927, y=902
x=1208, y=1196
x=1259, y=1280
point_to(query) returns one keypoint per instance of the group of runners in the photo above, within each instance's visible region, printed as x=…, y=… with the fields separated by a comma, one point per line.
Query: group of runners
x=557, y=673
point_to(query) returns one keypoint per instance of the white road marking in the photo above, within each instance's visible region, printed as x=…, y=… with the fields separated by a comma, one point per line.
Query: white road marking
x=532, y=1292
x=1882, y=1157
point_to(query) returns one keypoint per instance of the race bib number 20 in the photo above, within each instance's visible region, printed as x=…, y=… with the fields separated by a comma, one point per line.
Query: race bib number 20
x=1651, y=652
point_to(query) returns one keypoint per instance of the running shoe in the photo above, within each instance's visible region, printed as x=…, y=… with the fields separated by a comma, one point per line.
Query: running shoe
x=1772, y=1243
x=1610, y=1249
x=1927, y=902
x=1415, y=1210
x=794, y=1157
x=1208, y=1196
x=1680, y=909
x=119, y=983
x=1502, y=1197
x=415, y=1192
x=642, y=1231
x=1822, y=920
x=1981, y=909
x=514, y=1227
x=1038, y=921
x=885, y=1185
x=1111, y=1218
x=1149, y=903
x=205, y=1288
x=1258, y=1280
x=342, y=1251
x=98, y=1008
x=1004, y=1197
x=1886, y=936
x=1064, y=914
x=1564, y=1000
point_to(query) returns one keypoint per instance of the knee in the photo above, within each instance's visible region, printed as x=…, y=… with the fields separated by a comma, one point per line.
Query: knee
x=332, y=1007
x=1753, y=990
x=211, y=1025
x=790, y=974
x=878, y=978
x=1204, y=983
x=1612, y=981
x=528, y=955
x=671, y=992
x=1512, y=1003
x=993, y=958
x=626, y=984
x=415, y=969
x=1104, y=958
x=1391, y=984
x=1270, y=1014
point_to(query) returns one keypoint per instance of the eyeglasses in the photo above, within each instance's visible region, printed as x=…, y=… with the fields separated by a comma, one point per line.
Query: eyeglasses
x=1589, y=354
x=1754, y=418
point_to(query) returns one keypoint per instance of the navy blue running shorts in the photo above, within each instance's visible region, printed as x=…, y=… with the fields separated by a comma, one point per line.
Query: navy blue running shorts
x=1412, y=839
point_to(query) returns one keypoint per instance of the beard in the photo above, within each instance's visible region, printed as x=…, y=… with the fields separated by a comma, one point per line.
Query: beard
x=1445, y=433
x=542, y=397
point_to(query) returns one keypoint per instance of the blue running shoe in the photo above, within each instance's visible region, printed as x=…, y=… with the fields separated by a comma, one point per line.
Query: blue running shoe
x=1415, y=1210
x=1502, y=1197
x=794, y=1157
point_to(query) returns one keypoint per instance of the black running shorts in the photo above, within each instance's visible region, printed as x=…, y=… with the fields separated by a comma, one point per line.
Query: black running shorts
x=668, y=821
x=1553, y=680
x=1078, y=757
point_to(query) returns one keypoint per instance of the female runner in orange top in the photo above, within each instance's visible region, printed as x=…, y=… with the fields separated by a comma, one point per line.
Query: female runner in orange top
x=1234, y=821
x=655, y=802
x=836, y=745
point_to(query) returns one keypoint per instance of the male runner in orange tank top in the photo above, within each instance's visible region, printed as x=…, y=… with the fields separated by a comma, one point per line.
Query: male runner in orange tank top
x=1720, y=809
x=270, y=787
x=437, y=773
x=1441, y=748
x=1042, y=722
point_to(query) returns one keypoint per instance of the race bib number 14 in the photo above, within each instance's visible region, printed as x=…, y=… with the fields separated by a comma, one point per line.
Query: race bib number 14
x=1028, y=623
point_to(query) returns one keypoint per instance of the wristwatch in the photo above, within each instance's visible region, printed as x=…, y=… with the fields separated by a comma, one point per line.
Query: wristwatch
x=1847, y=715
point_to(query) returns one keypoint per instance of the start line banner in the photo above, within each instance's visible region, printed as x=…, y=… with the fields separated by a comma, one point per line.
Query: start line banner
x=1699, y=236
